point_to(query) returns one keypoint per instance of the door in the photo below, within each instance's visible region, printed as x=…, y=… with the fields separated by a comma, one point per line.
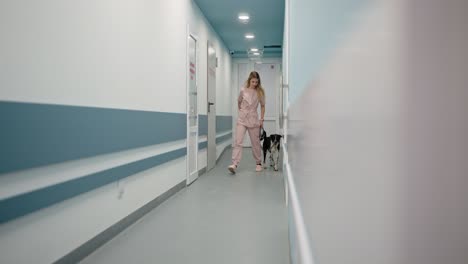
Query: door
x=270, y=73
x=192, y=111
x=211, y=86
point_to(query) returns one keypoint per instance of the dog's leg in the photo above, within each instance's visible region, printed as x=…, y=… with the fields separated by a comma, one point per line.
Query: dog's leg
x=272, y=162
x=276, y=160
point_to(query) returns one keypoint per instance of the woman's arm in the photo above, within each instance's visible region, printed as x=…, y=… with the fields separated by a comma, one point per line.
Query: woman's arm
x=263, y=115
x=262, y=105
x=239, y=100
x=263, y=112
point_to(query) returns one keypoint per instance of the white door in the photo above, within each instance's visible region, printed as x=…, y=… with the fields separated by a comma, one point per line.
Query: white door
x=211, y=71
x=192, y=111
x=270, y=74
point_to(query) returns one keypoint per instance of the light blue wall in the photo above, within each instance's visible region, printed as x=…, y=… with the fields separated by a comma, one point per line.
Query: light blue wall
x=316, y=27
x=313, y=30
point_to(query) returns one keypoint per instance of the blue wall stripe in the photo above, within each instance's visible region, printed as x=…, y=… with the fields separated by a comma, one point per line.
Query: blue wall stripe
x=203, y=145
x=223, y=138
x=223, y=123
x=203, y=125
x=40, y=134
x=23, y=204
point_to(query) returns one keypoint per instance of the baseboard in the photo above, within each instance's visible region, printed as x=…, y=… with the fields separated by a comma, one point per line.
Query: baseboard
x=203, y=170
x=105, y=236
x=222, y=153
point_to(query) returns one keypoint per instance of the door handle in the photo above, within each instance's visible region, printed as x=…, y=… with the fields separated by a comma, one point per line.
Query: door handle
x=209, y=108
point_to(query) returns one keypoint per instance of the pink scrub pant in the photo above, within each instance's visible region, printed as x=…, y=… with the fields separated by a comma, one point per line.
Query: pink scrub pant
x=254, y=139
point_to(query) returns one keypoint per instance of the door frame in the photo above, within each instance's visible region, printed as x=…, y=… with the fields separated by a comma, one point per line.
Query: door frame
x=236, y=85
x=190, y=35
x=211, y=136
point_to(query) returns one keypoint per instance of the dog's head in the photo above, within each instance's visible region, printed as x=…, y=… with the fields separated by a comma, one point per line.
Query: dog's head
x=275, y=140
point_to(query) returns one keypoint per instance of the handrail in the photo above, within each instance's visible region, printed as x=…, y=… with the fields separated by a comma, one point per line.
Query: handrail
x=303, y=244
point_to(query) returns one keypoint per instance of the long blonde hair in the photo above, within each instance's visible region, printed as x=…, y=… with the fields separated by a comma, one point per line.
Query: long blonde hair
x=259, y=88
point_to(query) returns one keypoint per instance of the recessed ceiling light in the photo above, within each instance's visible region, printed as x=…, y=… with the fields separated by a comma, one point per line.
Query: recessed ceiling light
x=256, y=53
x=253, y=49
x=244, y=17
x=249, y=36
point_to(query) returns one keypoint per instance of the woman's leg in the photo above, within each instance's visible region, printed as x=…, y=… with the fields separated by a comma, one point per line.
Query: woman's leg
x=255, y=140
x=237, y=150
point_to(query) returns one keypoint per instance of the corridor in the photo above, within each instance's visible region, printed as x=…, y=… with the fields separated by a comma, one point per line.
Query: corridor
x=220, y=218
x=117, y=120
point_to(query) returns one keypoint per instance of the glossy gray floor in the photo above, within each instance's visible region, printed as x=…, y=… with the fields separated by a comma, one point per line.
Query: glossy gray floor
x=220, y=218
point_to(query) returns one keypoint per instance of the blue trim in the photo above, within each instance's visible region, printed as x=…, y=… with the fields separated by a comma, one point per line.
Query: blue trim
x=202, y=125
x=40, y=134
x=26, y=203
x=223, y=123
x=223, y=138
x=202, y=145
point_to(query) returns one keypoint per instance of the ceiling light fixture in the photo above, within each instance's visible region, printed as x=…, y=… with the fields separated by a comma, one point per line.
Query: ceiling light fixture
x=249, y=36
x=244, y=18
x=253, y=49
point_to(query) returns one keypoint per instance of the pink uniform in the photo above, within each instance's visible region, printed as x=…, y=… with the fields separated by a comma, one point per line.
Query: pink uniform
x=248, y=121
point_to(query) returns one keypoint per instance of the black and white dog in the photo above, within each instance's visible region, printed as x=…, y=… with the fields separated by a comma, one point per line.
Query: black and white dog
x=271, y=144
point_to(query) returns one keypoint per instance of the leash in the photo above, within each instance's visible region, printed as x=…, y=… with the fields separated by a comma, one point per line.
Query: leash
x=261, y=132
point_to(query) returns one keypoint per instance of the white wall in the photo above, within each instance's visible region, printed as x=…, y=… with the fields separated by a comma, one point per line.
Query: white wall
x=223, y=82
x=286, y=38
x=285, y=70
x=110, y=54
x=48, y=234
x=324, y=22
x=200, y=26
x=345, y=148
x=435, y=198
x=102, y=53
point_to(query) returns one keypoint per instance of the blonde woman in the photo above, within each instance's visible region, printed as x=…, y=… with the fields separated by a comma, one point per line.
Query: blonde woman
x=250, y=97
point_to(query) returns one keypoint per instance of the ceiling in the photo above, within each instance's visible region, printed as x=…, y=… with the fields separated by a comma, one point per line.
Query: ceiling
x=266, y=23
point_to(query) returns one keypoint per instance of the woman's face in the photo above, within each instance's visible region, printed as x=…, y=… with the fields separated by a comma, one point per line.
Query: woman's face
x=253, y=82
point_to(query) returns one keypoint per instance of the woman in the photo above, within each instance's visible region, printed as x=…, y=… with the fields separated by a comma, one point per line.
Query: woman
x=249, y=98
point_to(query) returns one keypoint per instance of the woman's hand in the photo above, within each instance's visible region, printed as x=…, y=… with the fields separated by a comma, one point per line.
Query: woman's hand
x=261, y=122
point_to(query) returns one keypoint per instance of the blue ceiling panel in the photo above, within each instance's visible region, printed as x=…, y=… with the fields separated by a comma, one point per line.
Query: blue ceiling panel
x=266, y=23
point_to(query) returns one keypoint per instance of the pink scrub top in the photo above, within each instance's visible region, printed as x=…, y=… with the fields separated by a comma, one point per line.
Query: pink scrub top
x=248, y=104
